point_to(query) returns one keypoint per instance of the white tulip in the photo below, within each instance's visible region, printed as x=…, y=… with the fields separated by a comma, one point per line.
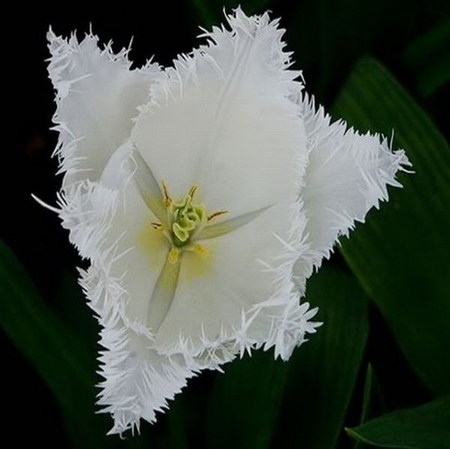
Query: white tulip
x=203, y=196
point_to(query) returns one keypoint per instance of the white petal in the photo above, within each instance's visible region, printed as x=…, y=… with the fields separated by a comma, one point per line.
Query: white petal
x=107, y=221
x=248, y=274
x=97, y=97
x=223, y=120
x=347, y=174
x=237, y=297
x=89, y=208
x=138, y=381
x=213, y=292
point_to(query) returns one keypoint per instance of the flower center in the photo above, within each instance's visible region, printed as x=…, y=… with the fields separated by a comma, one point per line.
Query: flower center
x=184, y=221
x=185, y=218
x=184, y=225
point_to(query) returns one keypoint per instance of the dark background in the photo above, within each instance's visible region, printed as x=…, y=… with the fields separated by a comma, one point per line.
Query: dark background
x=327, y=38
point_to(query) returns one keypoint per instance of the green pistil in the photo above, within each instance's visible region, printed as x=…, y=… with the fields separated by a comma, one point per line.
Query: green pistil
x=185, y=218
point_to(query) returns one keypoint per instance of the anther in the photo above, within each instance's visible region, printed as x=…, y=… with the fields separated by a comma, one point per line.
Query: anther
x=192, y=191
x=216, y=214
x=166, y=196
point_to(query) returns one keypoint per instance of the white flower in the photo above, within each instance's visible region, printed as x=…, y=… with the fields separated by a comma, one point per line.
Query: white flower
x=203, y=195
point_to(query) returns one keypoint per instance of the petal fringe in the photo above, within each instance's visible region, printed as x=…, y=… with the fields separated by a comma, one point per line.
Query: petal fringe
x=138, y=381
x=347, y=174
x=97, y=95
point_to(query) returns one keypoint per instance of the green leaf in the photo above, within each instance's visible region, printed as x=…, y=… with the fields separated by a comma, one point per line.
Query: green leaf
x=429, y=57
x=373, y=400
x=211, y=11
x=245, y=402
x=322, y=373
x=71, y=305
x=177, y=420
x=400, y=255
x=208, y=14
x=368, y=385
x=57, y=354
x=425, y=427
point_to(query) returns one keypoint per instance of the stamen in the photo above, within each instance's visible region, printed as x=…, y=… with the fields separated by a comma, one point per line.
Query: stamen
x=216, y=214
x=166, y=196
x=185, y=220
x=192, y=190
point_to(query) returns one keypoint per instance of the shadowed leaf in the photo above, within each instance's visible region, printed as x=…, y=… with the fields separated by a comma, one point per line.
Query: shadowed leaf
x=425, y=427
x=400, y=255
x=322, y=373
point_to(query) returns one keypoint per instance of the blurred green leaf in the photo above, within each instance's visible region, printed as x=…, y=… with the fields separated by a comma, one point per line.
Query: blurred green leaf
x=177, y=420
x=245, y=401
x=57, y=354
x=373, y=402
x=425, y=427
x=211, y=11
x=207, y=12
x=429, y=57
x=400, y=255
x=368, y=386
x=323, y=372
x=71, y=305
x=328, y=36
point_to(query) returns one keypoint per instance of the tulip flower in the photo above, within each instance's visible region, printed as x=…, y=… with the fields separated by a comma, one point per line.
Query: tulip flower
x=203, y=195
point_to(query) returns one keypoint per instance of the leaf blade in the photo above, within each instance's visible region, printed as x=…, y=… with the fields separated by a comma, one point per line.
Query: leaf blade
x=255, y=383
x=408, y=239
x=57, y=354
x=424, y=427
x=429, y=57
x=322, y=373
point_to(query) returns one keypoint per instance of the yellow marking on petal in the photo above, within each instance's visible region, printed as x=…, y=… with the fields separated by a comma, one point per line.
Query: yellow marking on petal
x=153, y=243
x=198, y=260
x=201, y=251
x=173, y=242
x=174, y=256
